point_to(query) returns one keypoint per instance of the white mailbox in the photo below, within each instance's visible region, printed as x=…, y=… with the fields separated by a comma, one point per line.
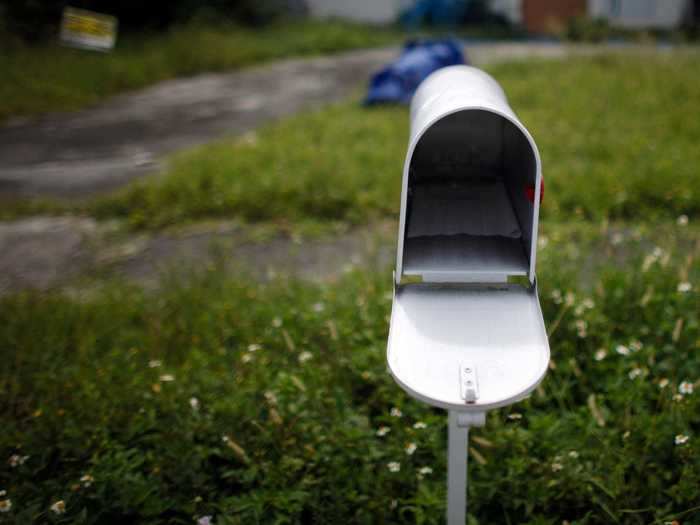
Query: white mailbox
x=464, y=336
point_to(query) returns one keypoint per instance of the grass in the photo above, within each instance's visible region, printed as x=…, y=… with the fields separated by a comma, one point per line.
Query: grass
x=262, y=404
x=54, y=78
x=606, y=153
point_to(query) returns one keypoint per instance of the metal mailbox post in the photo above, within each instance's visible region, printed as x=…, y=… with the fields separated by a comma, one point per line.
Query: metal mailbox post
x=462, y=337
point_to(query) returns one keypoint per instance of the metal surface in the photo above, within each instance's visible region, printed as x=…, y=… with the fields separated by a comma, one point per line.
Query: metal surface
x=468, y=166
x=457, y=446
x=457, y=462
x=467, y=226
x=438, y=329
x=464, y=258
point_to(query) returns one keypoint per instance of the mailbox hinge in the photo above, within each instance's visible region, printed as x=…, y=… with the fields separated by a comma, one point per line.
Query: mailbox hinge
x=469, y=385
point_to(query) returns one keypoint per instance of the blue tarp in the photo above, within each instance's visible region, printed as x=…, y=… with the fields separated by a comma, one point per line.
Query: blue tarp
x=397, y=82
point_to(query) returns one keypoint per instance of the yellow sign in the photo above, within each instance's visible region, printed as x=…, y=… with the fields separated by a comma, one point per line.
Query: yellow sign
x=88, y=30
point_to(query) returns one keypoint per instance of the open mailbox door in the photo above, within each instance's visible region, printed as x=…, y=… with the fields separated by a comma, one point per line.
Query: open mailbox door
x=466, y=347
x=462, y=336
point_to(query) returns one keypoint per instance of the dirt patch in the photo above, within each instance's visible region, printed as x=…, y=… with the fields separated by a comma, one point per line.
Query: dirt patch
x=44, y=253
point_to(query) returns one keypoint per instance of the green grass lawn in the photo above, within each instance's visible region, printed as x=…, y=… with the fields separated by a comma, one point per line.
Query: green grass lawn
x=615, y=132
x=54, y=78
x=271, y=403
x=264, y=404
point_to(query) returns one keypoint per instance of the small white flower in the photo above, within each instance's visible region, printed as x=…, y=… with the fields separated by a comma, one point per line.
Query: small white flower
x=277, y=322
x=154, y=363
x=515, y=416
x=395, y=412
x=86, y=480
x=270, y=397
x=424, y=471
x=684, y=287
x=656, y=254
x=573, y=454
x=569, y=299
x=556, y=467
x=600, y=354
x=682, y=220
x=626, y=434
x=636, y=345
x=581, y=328
x=685, y=388
x=205, y=520
x=167, y=378
x=17, y=460
x=394, y=466
x=588, y=303
x=383, y=431
x=305, y=356
x=319, y=307
x=5, y=505
x=677, y=397
x=663, y=382
x=622, y=350
x=246, y=358
x=194, y=403
x=254, y=347
x=634, y=373
x=556, y=296
x=225, y=439
x=59, y=507
x=410, y=448
x=418, y=425
x=681, y=439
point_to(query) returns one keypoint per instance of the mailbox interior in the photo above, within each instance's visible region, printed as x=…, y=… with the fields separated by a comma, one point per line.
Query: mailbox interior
x=468, y=217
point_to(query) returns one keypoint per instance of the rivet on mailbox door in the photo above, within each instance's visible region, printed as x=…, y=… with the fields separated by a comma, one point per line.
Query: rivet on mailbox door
x=462, y=337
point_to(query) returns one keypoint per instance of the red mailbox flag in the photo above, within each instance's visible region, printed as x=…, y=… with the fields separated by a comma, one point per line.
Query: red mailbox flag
x=530, y=192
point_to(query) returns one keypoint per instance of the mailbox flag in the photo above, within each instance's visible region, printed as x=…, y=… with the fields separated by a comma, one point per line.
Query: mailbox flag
x=530, y=192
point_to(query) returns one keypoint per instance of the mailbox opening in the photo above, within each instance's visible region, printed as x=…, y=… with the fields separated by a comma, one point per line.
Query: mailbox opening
x=468, y=215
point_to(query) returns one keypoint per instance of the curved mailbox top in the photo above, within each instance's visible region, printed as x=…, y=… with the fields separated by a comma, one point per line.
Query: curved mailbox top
x=462, y=337
x=470, y=169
